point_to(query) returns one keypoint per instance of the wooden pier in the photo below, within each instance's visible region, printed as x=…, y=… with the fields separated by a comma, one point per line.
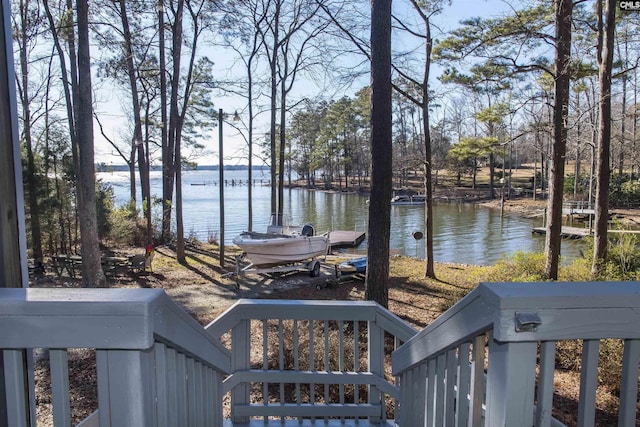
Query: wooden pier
x=567, y=232
x=344, y=238
x=579, y=233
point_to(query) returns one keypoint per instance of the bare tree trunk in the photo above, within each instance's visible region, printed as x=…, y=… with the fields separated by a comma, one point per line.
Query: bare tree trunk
x=576, y=175
x=164, y=142
x=92, y=274
x=563, y=12
x=32, y=173
x=606, y=33
x=282, y=140
x=274, y=90
x=143, y=168
x=381, y=152
x=428, y=179
x=168, y=155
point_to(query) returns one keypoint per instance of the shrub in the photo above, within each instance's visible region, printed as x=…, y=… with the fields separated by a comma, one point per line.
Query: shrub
x=622, y=261
x=104, y=207
x=519, y=267
x=127, y=227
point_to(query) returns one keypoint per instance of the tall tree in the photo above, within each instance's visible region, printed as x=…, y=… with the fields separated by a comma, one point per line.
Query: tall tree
x=137, y=143
x=27, y=27
x=425, y=10
x=92, y=274
x=381, y=154
x=606, y=32
x=563, y=22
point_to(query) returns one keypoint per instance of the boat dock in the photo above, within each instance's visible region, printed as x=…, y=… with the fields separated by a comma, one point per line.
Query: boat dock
x=579, y=233
x=567, y=232
x=344, y=238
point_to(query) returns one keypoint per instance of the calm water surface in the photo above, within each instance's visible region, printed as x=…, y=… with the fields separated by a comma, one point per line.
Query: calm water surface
x=464, y=233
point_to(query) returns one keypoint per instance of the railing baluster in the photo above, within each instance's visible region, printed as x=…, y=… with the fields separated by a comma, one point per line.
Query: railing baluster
x=14, y=370
x=411, y=388
x=431, y=392
x=191, y=391
x=417, y=406
x=375, y=355
x=588, y=383
x=162, y=393
x=449, y=387
x=265, y=362
x=326, y=362
x=629, y=385
x=199, y=394
x=441, y=361
x=207, y=395
x=477, y=385
x=296, y=360
x=59, y=364
x=356, y=358
x=172, y=401
x=312, y=362
x=181, y=396
x=463, y=385
x=281, y=358
x=341, y=359
x=545, y=383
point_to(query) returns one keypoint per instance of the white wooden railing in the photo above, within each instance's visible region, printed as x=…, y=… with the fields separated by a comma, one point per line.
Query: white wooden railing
x=490, y=359
x=310, y=359
x=155, y=364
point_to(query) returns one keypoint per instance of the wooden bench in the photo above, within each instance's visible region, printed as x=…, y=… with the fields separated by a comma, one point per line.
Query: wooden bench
x=69, y=263
x=136, y=263
x=36, y=267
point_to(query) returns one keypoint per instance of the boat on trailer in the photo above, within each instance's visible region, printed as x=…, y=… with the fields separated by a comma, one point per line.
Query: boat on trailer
x=282, y=248
x=404, y=200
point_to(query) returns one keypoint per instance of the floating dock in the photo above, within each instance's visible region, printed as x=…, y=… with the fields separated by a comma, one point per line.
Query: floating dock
x=345, y=239
x=579, y=233
x=567, y=232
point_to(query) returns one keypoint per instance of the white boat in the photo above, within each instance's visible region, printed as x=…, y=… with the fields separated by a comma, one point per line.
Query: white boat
x=416, y=200
x=286, y=246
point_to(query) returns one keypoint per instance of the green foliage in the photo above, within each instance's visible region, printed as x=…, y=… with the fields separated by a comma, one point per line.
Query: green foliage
x=629, y=190
x=126, y=226
x=519, y=267
x=104, y=206
x=622, y=261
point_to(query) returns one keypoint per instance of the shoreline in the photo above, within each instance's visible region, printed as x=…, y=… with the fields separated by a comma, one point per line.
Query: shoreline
x=519, y=205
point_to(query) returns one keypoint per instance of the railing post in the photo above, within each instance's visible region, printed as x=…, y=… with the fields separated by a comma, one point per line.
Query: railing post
x=375, y=355
x=126, y=387
x=240, y=361
x=511, y=379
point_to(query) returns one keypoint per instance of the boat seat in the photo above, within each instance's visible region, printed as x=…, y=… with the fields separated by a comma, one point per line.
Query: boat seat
x=307, y=230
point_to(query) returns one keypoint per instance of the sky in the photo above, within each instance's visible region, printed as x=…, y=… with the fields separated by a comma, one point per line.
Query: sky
x=109, y=100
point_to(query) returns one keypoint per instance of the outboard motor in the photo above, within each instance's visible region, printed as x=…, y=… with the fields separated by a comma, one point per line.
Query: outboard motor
x=307, y=230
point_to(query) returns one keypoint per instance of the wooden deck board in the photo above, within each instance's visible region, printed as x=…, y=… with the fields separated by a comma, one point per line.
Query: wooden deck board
x=345, y=238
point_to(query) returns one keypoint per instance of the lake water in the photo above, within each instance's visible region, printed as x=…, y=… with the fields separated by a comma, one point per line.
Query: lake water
x=463, y=233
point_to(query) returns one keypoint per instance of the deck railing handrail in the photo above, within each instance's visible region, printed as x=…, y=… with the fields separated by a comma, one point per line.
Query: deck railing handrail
x=237, y=321
x=444, y=364
x=155, y=364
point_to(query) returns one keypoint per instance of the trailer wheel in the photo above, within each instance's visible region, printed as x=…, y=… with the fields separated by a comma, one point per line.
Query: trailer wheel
x=314, y=269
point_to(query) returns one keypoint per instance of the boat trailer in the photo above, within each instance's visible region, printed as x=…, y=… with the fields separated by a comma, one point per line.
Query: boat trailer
x=312, y=266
